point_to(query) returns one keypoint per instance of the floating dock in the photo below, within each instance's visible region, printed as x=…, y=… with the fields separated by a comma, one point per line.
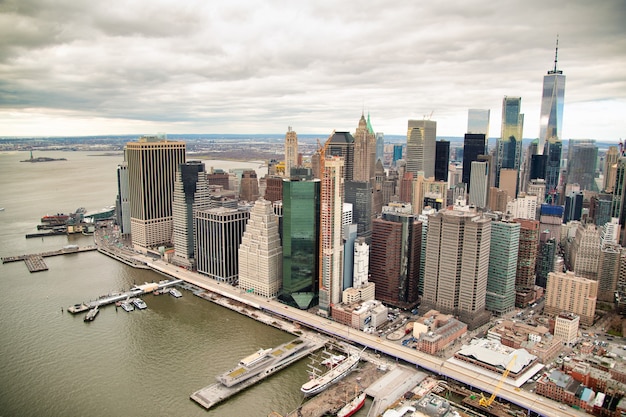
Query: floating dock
x=273, y=361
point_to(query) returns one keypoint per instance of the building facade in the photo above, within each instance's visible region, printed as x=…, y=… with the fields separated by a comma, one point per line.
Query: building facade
x=152, y=163
x=503, y=257
x=566, y=292
x=421, y=147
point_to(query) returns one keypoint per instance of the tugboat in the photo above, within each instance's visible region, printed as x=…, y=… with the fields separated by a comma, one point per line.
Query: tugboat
x=91, y=314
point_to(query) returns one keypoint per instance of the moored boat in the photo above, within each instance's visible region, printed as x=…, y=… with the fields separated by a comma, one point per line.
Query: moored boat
x=175, y=293
x=127, y=306
x=140, y=304
x=91, y=314
x=352, y=406
x=319, y=383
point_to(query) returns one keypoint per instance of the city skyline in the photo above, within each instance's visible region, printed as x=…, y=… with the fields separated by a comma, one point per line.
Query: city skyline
x=237, y=67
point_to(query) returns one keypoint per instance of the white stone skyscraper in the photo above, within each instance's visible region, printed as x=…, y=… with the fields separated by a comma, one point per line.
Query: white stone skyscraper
x=421, y=145
x=260, y=252
x=331, y=256
x=291, y=151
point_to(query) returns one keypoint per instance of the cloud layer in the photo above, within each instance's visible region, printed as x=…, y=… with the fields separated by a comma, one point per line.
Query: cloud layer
x=239, y=66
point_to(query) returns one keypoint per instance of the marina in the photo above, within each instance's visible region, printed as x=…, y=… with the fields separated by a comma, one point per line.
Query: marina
x=253, y=369
x=134, y=292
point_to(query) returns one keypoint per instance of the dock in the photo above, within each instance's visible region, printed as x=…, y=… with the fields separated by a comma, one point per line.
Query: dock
x=35, y=262
x=135, y=291
x=278, y=358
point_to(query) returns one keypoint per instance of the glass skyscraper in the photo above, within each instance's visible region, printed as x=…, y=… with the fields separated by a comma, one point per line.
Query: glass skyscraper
x=509, y=145
x=551, y=119
x=301, y=215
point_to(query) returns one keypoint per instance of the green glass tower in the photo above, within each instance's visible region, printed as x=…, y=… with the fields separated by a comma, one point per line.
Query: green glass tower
x=301, y=214
x=503, y=255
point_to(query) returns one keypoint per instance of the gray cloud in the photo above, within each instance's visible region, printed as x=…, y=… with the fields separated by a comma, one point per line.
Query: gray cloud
x=255, y=67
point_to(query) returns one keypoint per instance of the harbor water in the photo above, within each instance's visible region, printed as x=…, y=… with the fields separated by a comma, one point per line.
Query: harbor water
x=142, y=363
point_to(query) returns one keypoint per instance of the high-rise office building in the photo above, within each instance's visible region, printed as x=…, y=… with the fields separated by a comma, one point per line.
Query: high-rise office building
x=420, y=147
x=249, y=186
x=551, y=119
x=191, y=193
x=122, y=202
x=380, y=146
x=474, y=144
x=301, y=219
x=478, y=122
x=341, y=144
x=608, y=271
x=291, y=151
x=582, y=158
x=397, y=153
x=546, y=256
x=442, y=160
x=503, y=254
x=273, y=188
x=480, y=184
x=573, y=207
x=585, y=251
x=523, y=207
x=527, y=254
x=509, y=146
x=395, y=256
x=349, y=235
x=610, y=168
x=260, y=252
x=566, y=292
x=553, y=151
x=331, y=227
x=364, y=151
x=359, y=194
x=457, y=265
x=218, y=236
x=152, y=164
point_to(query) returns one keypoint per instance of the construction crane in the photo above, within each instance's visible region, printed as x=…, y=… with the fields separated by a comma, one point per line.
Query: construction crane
x=486, y=402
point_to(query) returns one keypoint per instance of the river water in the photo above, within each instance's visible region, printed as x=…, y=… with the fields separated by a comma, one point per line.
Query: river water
x=143, y=363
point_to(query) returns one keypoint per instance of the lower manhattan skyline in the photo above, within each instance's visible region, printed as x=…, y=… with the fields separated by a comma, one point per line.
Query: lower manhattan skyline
x=80, y=69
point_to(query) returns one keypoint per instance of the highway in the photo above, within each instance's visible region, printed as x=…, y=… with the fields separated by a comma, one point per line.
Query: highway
x=478, y=381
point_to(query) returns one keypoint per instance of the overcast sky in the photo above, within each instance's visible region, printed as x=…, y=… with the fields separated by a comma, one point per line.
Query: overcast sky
x=72, y=67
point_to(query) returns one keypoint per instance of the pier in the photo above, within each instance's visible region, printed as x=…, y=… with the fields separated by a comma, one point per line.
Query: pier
x=279, y=358
x=137, y=290
x=35, y=262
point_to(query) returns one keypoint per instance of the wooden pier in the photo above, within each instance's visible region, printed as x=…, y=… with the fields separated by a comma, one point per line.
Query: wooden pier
x=35, y=262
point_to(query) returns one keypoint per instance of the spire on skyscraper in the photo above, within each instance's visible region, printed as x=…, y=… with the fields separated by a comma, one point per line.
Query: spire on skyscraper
x=556, y=57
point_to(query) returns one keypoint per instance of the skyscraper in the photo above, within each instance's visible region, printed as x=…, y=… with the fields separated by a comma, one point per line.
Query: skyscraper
x=341, y=144
x=509, y=146
x=478, y=121
x=122, y=203
x=152, y=164
x=249, y=186
x=364, y=151
x=503, y=253
x=218, y=236
x=442, y=160
x=359, y=194
x=331, y=243
x=474, y=144
x=480, y=187
x=457, y=265
x=610, y=168
x=551, y=119
x=291, y=151
x=395, y=256
x=582, y=157
x=260, y=252
x=420, y=147
x=567, y=292
x=191, y=193
x=301, y=217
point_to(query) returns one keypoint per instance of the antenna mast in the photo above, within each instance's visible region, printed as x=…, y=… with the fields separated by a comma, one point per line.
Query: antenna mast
x=556, y=52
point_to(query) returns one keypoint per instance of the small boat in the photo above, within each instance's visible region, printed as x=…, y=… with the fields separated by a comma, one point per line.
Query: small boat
x=352, y=406
x=140, y=304
x=175, y=293
x=128, y=306
x=91, y=314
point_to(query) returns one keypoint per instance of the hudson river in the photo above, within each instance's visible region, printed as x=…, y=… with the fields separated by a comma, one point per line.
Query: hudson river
x=143, y=363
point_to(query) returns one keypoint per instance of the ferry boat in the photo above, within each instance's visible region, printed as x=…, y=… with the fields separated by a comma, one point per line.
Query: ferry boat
x=319, y=383
x=91, y=314
x=175, y=293
x=352, y=406
x=139, y=303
